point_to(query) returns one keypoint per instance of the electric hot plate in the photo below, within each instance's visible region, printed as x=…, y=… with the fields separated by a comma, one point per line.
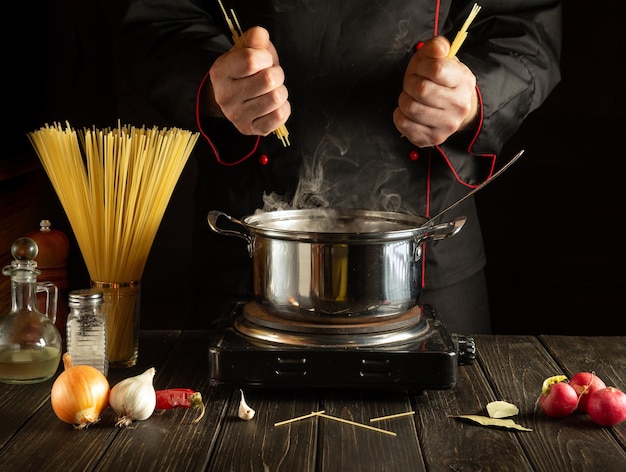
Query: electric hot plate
x=255, y=348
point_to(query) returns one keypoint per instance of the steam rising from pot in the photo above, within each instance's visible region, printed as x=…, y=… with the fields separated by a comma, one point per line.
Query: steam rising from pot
x=332, y=179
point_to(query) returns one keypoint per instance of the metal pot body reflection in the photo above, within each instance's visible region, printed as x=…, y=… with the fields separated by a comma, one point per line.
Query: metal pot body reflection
x=335, y=266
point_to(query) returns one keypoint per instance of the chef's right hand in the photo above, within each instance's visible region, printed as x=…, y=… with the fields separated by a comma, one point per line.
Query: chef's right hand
x=248, y=85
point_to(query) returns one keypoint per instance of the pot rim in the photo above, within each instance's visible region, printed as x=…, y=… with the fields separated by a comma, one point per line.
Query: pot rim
x=374, y=225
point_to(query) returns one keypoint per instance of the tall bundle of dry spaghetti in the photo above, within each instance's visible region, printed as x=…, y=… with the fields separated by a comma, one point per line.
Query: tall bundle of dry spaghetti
x=114, y=185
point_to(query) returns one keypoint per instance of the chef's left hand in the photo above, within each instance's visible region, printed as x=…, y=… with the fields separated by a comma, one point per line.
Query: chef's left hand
x=438, y=97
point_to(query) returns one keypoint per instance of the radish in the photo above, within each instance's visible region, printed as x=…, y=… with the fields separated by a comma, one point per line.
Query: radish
x=558, y=398
x=585, y=383
x=607, y=406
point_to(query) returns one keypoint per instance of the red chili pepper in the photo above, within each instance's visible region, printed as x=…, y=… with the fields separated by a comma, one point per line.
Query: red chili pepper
x=179, y=398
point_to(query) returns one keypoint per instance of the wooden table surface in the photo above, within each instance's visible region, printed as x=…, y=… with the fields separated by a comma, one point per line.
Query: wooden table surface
x=510, y=368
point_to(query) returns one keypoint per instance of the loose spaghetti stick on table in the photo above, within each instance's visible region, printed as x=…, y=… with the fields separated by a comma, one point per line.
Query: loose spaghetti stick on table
x=303, y=417
x=237, y=33
x=361, y=425
x=389, y=417
x=462, y=34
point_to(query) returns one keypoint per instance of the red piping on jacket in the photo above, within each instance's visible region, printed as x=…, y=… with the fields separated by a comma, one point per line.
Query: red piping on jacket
x=456, y=176
x=430, y=157
x=491, y=156
x=447, y=159
x=427, y=209
x=199, y=124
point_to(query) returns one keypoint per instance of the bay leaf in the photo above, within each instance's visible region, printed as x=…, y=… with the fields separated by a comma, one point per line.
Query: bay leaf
x=493, y=422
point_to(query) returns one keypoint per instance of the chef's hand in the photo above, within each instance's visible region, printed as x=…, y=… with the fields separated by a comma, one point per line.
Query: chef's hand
x=438, y=96
x=247, y=86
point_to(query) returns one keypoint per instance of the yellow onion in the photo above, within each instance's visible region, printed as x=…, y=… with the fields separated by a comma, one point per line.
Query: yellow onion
x=79, y=394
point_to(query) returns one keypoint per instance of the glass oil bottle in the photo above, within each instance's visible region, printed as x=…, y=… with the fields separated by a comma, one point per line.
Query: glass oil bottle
x=30, y=343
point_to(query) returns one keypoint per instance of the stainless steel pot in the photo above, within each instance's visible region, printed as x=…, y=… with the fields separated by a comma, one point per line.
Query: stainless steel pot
x=335, y=266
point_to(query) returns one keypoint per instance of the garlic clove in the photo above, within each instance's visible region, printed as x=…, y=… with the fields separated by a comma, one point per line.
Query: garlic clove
x=245, y=412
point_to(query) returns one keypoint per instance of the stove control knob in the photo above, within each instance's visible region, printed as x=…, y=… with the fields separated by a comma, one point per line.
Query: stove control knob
x=465, y=348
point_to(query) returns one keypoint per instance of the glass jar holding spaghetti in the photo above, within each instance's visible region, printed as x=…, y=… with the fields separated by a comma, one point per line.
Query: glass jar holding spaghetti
x=121, y=308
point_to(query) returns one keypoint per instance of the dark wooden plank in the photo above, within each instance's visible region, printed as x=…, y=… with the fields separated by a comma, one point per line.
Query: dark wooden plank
x=352, y=448
x=45, y=443
x=517, y=366
x=258, y=445
x=451, y=444
x=18, y=403
x=170, y=439
x=604, y=355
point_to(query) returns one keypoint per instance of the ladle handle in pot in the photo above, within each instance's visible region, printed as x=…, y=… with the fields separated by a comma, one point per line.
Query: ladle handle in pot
x=213, y=218
x=443, y=230
x=481, y=186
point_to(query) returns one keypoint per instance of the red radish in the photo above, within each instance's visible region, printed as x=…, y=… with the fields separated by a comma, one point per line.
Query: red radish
x=607, y=406
x=585, y=383
x=179, y=398
x=558, y=398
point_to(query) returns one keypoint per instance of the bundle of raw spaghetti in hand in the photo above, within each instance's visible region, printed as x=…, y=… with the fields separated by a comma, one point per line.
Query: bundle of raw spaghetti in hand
x=115, y=185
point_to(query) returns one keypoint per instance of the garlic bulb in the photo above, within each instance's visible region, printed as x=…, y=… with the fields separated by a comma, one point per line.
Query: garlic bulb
x=245, y=412
x=134, y=398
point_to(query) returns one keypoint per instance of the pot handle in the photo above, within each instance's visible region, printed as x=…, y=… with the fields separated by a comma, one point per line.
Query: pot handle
x=212, y=219
x=443, y=230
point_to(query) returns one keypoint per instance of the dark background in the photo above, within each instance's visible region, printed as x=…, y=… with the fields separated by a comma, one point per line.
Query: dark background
x=553, y=224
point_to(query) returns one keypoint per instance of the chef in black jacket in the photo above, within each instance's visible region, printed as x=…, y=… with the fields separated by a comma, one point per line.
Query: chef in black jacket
x=378, y=116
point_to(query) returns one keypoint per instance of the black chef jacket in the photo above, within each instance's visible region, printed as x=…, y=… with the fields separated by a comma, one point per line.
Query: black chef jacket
x=344, y=64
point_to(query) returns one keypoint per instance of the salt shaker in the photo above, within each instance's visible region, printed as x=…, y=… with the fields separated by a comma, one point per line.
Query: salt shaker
x=86, y=329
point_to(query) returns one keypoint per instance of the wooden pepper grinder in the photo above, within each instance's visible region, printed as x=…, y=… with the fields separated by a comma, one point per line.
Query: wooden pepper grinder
x=54, y=248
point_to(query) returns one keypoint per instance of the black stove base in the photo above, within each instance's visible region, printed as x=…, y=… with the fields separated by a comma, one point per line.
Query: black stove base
x=429, y=362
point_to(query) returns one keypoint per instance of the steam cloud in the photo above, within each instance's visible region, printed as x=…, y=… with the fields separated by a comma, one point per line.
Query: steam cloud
x=369, y=186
